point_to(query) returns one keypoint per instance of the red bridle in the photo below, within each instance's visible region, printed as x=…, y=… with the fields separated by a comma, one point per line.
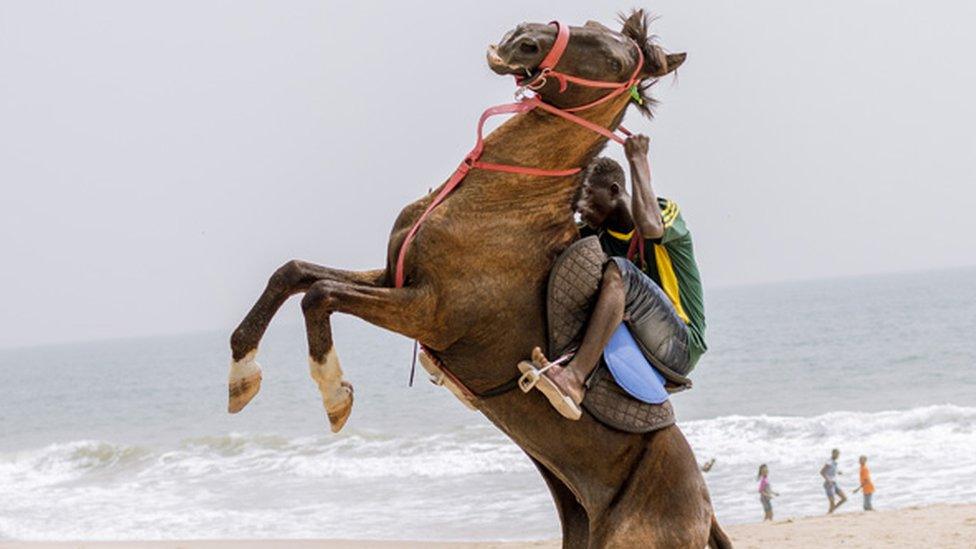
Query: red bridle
x=548, y=65
x=547, y=68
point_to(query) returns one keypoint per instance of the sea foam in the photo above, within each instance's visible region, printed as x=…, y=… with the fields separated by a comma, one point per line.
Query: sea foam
x=369, y=484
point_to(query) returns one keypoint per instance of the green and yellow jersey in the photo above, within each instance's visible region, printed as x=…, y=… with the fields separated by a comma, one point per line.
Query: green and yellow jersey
x=670, y=262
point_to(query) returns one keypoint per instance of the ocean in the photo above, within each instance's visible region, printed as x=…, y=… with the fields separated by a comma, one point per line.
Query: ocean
x=129, y=439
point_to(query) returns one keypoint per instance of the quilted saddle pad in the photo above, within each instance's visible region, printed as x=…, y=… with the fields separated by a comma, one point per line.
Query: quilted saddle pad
x=572, y=291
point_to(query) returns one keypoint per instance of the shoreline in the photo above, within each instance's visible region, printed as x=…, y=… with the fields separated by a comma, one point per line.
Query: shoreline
x=940, y=526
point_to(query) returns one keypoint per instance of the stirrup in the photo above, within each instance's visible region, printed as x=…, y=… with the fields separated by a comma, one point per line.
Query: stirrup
x=531, y=378
x=528, y=380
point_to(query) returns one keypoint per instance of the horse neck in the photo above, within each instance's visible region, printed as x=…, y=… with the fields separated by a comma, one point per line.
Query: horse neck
x=537, y=139
x=532, y=216
x=542, y=140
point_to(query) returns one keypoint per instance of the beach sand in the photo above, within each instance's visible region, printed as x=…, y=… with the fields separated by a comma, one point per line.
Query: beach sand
x=934, y=527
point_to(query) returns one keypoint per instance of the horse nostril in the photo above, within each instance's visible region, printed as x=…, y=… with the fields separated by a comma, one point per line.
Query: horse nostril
x=528, y=47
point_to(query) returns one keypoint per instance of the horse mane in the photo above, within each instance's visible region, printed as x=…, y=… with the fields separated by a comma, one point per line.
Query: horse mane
x=637, y=27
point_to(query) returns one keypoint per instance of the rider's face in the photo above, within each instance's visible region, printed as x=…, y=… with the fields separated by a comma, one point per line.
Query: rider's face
x=595, y=203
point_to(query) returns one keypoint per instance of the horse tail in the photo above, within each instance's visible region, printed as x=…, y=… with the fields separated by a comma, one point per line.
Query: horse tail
x=717, y=539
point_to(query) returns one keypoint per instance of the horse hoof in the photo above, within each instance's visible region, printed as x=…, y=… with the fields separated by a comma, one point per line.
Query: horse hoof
x=243, y=382
x=340, y=409
x=336, y=392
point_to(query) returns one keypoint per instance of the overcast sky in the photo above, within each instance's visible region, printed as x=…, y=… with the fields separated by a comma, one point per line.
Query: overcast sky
x=159, y=160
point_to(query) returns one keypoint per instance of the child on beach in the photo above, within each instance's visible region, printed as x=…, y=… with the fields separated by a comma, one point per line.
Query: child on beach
x=766, y=493
x=829, y=473
x=867, y=487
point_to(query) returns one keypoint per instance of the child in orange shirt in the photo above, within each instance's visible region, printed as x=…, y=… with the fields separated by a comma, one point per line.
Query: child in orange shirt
x=866, y=485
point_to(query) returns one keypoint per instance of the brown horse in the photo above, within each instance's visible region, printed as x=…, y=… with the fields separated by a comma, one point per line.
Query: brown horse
x=474, y=296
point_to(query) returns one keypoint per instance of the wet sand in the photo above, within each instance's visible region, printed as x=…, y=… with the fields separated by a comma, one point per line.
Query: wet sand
x=934, y=527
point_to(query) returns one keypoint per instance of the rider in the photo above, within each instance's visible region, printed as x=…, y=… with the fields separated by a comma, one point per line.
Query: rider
x=657, y=291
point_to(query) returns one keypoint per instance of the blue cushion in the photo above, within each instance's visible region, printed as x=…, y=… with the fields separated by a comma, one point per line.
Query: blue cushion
x=631, y=369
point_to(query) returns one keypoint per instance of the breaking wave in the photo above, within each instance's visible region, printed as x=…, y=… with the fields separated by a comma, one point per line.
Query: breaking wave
x=369, y=484
x=356, y=456
x=938, y=428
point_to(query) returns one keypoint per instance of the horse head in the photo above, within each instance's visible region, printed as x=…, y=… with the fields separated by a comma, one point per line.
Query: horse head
x=593, y=52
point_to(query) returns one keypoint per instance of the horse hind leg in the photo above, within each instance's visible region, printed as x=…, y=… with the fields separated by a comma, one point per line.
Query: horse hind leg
x=663, y=503
x=403, y=310
x=244, y=378
x=717, y=538
x=572, y=516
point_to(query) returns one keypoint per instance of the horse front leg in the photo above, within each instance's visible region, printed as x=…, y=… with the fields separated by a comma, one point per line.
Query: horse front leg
x=408, y=311
x=293, y=277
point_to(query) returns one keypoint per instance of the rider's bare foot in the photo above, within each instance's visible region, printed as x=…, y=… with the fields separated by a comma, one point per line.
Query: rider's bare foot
x=535, y=375
x=565, y=378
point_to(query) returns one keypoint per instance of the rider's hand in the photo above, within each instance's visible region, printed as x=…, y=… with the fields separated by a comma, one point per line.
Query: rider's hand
x=636, y=146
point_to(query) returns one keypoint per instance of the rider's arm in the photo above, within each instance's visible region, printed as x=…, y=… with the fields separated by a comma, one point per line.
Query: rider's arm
x=823, y=472
x=643, y=206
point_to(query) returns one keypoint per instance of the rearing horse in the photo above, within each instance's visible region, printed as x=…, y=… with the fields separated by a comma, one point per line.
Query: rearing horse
x=473, y=295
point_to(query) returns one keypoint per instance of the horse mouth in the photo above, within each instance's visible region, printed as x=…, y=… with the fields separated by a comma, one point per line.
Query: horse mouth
x=501, y=66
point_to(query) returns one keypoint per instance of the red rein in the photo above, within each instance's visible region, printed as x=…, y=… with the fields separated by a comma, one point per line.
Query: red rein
x=471, y=161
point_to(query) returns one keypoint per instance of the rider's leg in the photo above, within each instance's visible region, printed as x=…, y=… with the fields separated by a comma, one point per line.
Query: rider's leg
x=651, y=317
x=607, y=315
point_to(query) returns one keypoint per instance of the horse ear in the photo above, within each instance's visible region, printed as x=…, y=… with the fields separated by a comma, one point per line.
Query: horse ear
x=660, y=63
x=634, y=25
x=674, y=60
x=656, y=62
x=596, y=25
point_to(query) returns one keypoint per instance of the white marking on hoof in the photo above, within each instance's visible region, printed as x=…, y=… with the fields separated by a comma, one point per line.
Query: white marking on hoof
x=243, y=382
x=336, y=393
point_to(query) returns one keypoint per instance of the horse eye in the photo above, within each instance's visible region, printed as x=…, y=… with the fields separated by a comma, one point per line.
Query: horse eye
x=528, y=47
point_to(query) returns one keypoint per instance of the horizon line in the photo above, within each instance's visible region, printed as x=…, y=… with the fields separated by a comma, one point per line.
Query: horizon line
x=732, y=286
